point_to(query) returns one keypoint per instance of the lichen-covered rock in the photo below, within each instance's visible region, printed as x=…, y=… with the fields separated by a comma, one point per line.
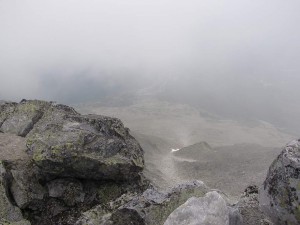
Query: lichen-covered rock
x=66, y=144
x=59, y=163
x=156, y=206
x=22, y=118
x=248, y=206
x=8, y=211
x=210, y=209
x=280, y=194
x=152, y=206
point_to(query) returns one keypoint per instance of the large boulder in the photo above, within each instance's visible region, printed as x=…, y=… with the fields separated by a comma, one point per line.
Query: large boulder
x=58, y=163
x=210, y=209
x=66, y=144
x=280, y=194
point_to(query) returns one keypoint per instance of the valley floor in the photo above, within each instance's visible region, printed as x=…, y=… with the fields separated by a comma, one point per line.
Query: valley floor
x=239, y=153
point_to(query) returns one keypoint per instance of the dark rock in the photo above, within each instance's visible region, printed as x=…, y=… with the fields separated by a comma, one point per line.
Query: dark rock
x=25, y=187
x=8, y=211
x=21, y=222
x=280, y=194
x=69, y=190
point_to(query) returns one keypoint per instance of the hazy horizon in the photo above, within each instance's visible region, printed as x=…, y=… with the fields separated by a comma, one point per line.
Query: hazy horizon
x=237, y=59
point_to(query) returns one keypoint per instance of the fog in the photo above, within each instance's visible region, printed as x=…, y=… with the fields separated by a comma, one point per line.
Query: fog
x=238, y=59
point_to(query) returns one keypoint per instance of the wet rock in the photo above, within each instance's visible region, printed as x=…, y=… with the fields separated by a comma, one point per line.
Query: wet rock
x=210, y=209
x=280, y=194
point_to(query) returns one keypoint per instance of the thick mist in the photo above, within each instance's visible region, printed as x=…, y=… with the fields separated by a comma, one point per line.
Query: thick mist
x=237, y=59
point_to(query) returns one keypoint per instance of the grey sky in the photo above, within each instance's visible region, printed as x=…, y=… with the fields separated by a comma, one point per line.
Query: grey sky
x=61, y=50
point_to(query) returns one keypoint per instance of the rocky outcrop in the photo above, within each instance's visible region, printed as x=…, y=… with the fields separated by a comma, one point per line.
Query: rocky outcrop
x=60, y=167
x=57, y=164
x=150, y=207
x=280, y=194
x=64, y=143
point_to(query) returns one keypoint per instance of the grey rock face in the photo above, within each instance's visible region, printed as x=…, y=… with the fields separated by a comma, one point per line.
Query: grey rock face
x=280, y=194
x=66, y=144
x=210, y=209
x=149, y=207
x=62, y=163
x=155, y=206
